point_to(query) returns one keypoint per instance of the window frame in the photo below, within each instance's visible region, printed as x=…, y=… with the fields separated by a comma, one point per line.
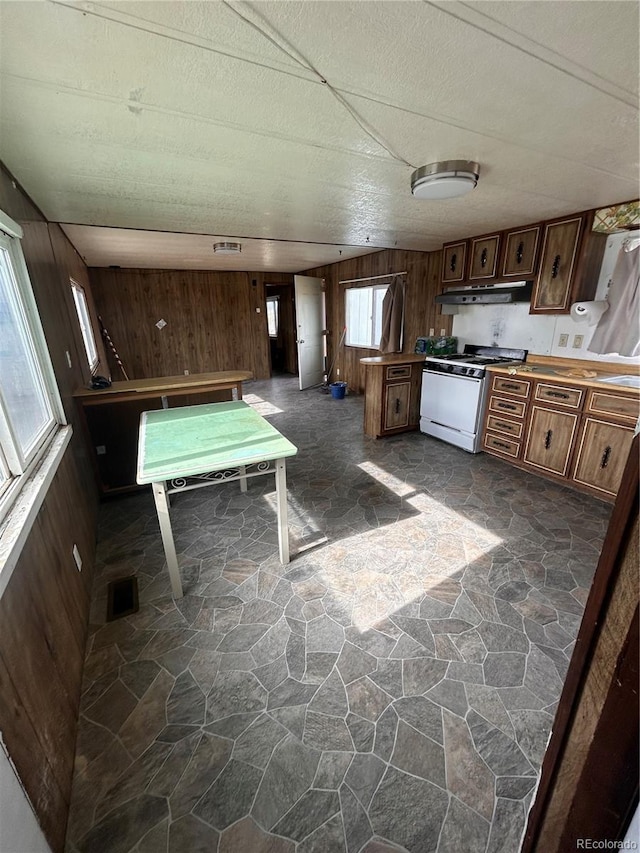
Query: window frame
x=86, y=327
x=21, y=466
x=372, y=319
x=274, y=300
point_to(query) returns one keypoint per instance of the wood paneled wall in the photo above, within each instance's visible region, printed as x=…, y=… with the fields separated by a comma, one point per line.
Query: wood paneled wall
x=211, y=321
x=44, y=609
x=589, y=782
x=421, y=313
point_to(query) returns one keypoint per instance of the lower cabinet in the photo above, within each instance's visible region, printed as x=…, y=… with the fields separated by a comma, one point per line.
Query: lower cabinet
x=602, y=453
x=396, y=406
x=392, y=394
x=573, y=433
x=550, y=439
x=505, y=416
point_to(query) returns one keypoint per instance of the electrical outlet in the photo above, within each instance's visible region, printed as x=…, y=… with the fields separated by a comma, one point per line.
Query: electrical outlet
x=563, y=340
x=577, y=341
x=77, y=557
x=101, y=450
x=186, y=373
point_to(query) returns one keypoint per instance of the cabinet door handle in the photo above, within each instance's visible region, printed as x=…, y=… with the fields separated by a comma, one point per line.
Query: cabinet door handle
x=507, y=406
x=605, y=457
x=511, y=385
x=558, y=394
x=555, y=269
x=547, y=439
x=453, y=262
x=520, y=252
x=483, y=258
x=397, y=405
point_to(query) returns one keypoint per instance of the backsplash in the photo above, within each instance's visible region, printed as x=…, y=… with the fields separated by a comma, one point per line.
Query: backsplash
x=513, y=326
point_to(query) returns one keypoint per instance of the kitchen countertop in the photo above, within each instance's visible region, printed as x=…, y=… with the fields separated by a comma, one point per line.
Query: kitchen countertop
x=164, y=385
x=394, y=358
x=606, y=373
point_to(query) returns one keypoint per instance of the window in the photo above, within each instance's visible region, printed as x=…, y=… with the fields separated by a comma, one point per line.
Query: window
x=364, y=315
x=80, y=300
x=30, y=408
x=272, y=316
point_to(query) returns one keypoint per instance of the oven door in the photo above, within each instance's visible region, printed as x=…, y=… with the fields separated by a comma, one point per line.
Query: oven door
x=452, y=401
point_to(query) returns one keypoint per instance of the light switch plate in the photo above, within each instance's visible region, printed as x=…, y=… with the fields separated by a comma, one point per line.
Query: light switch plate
x=577, y=341
x=563, y=340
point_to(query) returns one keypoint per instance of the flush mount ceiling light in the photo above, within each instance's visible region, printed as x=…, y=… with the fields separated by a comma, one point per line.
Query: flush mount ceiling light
x=227, y=248
x=447, y=179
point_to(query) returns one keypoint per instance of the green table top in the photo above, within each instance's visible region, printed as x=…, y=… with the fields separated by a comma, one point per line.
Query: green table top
x=191, y=440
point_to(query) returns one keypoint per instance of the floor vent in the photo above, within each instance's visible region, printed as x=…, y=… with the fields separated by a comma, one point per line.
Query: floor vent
x=123, y=598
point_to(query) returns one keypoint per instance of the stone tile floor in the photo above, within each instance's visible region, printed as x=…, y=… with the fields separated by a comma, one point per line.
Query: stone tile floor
x=392, y=688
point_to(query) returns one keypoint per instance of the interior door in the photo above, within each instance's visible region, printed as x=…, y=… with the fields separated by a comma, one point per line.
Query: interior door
x=310, y=328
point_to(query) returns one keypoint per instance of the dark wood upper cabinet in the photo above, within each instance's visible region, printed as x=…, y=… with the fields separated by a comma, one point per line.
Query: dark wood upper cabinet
x=454, y=262
x=484, y=257
x=570, y=264
x=521, y=252
x=563, y=257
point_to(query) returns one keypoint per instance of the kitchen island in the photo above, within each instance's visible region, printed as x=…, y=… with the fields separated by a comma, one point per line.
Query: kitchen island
x=392, y=393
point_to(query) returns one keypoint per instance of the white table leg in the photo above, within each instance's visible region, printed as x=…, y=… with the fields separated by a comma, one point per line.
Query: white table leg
x=281, y=501
x=243, y=480
x=162, y=508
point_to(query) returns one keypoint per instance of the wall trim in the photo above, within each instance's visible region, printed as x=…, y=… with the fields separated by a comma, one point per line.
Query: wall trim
x=22, y=515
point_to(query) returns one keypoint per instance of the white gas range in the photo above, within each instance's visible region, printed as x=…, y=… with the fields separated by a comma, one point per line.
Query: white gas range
x=454, y=390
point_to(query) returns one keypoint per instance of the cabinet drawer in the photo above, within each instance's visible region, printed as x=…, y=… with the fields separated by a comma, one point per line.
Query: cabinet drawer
x=559, y=395
x=399, y=371
x=516, y=408
x=517, y=387
x=501, y=445
x=625, y=408
x=505, y=426
x=602, y=454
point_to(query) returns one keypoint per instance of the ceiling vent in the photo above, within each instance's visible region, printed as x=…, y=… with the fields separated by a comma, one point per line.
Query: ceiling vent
x=227, y=248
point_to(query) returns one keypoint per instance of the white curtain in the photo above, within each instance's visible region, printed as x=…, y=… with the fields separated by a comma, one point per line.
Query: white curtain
x=618, y=331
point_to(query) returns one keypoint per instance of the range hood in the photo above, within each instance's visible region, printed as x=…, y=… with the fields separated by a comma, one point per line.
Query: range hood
x=488, y=294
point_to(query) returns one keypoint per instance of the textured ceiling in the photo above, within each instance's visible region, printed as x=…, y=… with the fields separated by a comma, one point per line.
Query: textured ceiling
x=301, y=122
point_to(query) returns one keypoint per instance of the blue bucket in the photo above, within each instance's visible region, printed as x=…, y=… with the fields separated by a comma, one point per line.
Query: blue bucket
x=338, y=390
